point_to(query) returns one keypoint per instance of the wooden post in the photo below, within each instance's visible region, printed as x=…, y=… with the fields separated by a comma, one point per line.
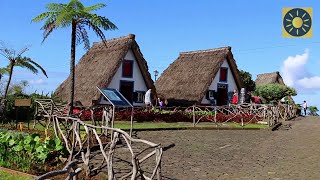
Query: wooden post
x=131, y=123
x=193, y=116
x=158, y=158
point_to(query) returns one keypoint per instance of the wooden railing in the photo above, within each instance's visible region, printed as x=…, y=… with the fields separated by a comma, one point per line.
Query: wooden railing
x=269, y=114
x=80, y=138
x=45, y=109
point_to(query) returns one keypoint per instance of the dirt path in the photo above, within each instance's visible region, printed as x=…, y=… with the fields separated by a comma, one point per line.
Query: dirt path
x=241, y=154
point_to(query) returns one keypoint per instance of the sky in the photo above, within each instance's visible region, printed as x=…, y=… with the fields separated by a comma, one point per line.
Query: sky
x=165, y=28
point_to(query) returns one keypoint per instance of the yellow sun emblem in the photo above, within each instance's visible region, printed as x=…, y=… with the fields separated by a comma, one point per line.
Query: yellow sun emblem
x=297, y=22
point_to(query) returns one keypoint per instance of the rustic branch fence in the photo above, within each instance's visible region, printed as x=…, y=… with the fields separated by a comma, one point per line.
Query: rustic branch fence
x=263, y=113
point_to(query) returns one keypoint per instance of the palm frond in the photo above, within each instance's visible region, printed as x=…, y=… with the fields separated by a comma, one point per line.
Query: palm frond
x=23, y=50
x=64, y=17
x=96, y=29
x=101, y=22
x=25, y=64
x=37, y=65
x=82, y=36
x=76, y=5
x=48, y=28
x=42, y=16
x=4, y=70
x=94, y=7
x=7, y=53
x=55, y=7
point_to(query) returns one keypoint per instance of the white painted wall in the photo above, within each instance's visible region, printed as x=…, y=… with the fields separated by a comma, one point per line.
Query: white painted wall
x=137, y=78
x=230, y=81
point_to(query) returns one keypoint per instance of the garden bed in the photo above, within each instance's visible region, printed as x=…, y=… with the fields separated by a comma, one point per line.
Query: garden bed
x=30, y=153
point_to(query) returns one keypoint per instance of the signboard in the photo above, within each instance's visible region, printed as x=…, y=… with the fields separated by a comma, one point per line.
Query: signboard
x=22, y=102
x=115, y=97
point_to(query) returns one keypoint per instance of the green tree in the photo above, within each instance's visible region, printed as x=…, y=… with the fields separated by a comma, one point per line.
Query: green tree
x=274, y=92
x=76, y=15
x=248, y=83
x=313, y=110
x=16, y=59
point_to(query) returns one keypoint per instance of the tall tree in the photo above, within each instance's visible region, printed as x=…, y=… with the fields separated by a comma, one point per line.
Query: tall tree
x=248, y=83
x=16, y=59
x=76, y=15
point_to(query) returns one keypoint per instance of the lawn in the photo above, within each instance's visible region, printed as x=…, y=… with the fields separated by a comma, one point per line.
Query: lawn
x=125, y=125
x=8, y=176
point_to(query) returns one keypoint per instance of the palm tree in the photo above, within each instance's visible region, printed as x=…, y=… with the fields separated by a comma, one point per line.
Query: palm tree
x=16, y=59
x=76, y=15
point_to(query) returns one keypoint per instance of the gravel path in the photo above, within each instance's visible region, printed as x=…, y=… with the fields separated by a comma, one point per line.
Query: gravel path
x=293, y=152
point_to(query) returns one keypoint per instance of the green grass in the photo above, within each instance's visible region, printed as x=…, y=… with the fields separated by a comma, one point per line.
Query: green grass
x=125, y=125
x=8, y=176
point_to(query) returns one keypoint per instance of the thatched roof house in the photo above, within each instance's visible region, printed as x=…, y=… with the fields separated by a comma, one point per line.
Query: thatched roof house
x=197, y=76
x=120, y=65
x=269, y=78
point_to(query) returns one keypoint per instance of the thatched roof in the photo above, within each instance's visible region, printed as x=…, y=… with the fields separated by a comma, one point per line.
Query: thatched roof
x=98, y=66
x=269, y=78
x=188, y=78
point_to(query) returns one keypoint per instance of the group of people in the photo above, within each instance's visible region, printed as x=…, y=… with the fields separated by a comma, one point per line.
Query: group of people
x=248, y=99
x=148, y=100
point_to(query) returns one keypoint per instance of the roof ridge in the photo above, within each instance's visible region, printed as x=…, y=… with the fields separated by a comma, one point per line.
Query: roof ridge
x=275, y=72
x=129, y=36
x=206, y=50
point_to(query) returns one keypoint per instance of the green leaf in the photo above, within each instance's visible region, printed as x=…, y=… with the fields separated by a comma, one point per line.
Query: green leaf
x=12, y=142
x=57, y=141
x=37, y=139
x=28, y=140
x=39, y=149
x=58, y=147
x=18, y=148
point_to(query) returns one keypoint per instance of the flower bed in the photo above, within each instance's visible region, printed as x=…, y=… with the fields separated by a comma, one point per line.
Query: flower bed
x=174, y=116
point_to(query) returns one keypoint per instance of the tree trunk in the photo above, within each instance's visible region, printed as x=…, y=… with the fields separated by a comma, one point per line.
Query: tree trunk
x=72, y=66
x=9, y=81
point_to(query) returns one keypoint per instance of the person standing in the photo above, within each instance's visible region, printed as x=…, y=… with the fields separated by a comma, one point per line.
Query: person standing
x=305, y=106
x=148, y=98
x=160, y=103
x=235, y=97
x=247, y=98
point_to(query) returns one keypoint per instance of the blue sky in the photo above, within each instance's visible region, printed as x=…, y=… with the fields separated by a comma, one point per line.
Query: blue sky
x=164, y=28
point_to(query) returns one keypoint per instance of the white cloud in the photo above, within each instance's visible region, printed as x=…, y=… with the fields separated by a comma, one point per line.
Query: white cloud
x=296, y=75
x=38, y=82
x=310, y=83
x=293, y=68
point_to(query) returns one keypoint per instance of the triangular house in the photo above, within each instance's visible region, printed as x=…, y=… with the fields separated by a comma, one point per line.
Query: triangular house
x=269, y=78
x=198, y=76
x=120, y=65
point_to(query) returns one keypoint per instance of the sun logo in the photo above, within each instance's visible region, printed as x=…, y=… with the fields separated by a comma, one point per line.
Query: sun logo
x=297, y=22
